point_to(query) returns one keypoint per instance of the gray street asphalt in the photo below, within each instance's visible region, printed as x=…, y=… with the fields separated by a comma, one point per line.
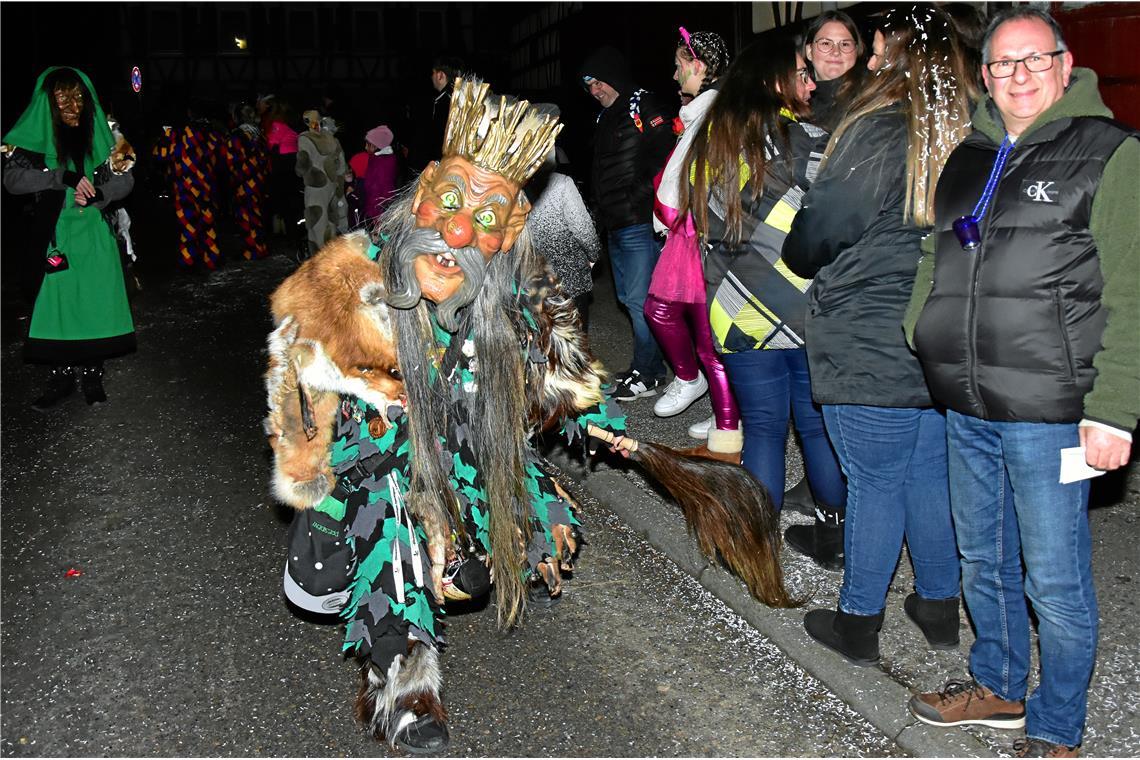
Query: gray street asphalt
x=174, y=639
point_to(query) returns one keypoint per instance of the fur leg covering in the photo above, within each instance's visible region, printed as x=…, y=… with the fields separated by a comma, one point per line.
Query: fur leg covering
x=388, y=705
x=725, y=441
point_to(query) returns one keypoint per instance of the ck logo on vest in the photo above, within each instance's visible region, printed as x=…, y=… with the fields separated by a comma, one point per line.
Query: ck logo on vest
x=1040, y=190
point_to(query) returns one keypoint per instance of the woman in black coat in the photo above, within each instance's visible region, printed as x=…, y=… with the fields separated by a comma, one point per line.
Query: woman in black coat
x=858, y=236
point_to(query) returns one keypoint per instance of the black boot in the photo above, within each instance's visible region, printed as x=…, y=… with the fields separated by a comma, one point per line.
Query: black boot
x=856, y=637
x=426, y=735
x=936, y=618
x=91, y=380
x=60, y=385
x=800, y=499
x=822, y=541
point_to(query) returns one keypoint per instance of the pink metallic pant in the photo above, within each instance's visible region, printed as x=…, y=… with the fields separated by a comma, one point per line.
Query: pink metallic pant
x=678, y=327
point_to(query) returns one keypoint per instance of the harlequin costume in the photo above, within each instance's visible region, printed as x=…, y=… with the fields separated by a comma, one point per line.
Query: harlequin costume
x=247, y=163
x=81, y=315
x=191, y=155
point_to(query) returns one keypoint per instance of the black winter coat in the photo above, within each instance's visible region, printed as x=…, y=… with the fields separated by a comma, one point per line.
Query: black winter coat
x=626, y=156
x=850, y=236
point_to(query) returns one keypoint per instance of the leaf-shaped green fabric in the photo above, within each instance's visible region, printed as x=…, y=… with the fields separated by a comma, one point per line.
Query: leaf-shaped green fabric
x=331, y=507
x=463, y=471
x=415, y=609
x=480, y=518
x=370, y=568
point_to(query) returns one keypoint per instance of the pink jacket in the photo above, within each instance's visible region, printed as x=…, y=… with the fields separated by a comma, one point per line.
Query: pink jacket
x=282, y=139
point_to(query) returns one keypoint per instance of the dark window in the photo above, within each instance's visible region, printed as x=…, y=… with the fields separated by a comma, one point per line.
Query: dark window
x=164, y=30
x=366, y=30
x=302, y=30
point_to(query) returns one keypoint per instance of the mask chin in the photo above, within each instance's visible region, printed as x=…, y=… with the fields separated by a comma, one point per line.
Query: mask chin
x=406, y=292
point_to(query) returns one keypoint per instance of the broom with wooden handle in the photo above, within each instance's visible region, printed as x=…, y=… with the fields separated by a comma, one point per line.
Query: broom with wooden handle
x=728, y=511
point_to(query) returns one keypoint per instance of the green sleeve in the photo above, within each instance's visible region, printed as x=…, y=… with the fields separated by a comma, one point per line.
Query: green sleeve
x=1115, y=226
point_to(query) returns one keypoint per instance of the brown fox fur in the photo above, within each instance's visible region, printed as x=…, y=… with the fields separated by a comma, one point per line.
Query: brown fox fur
x=333, y=336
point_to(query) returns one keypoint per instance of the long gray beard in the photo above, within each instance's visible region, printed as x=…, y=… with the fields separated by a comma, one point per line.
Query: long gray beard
x=405, y=292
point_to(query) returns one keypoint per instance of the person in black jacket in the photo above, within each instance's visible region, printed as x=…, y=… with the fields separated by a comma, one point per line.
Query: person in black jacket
x=858, y=235
x=633, y=139
x=1029, y=338
x=427, y=142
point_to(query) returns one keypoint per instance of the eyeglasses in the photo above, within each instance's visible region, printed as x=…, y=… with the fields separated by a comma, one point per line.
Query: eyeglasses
x=1035, y=63
x=825, y=45
x=803, y=74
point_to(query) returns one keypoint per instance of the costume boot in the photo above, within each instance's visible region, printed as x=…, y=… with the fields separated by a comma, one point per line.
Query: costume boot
x=936, y=618
x=823, y=540
x=91, y=380
x=60, y=385
x=403, y=705
x=856, y=637
x=800, y=499
x=725, y=445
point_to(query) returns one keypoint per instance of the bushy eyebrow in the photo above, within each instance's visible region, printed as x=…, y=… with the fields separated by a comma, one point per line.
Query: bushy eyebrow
x=499, y=198
x=457, y=181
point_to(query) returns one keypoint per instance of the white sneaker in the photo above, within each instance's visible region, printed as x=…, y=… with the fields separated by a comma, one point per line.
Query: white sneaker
x=700, y=430
x=679, y=395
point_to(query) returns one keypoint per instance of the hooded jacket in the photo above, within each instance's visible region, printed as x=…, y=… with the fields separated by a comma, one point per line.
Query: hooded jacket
x=1040, y=323
x=632, y=140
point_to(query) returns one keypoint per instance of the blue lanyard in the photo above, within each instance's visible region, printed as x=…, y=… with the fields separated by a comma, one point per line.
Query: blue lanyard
x=995, y=175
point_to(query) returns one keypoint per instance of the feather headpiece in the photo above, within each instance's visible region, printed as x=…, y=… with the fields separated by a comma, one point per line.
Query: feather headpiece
x=511, y=138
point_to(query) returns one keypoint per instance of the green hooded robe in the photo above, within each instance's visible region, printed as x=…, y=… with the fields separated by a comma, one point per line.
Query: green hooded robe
x=81, y=314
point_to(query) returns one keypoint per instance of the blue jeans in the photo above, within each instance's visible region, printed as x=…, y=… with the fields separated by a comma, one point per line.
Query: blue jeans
x=633, y=255
x=897, y=485
x=1009, y=506
x=767, y=384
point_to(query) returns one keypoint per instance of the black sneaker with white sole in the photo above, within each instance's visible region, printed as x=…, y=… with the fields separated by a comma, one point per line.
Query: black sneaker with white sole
x=634, y=386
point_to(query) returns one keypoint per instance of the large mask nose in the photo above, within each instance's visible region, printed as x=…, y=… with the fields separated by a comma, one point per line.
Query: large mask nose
x=458, y=231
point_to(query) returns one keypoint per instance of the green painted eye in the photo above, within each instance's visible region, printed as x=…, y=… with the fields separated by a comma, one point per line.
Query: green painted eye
x=486, y=218
x=450, y=199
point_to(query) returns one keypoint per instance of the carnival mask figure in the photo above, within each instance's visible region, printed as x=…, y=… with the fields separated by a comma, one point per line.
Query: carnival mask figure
x=406, y=379
x=469, y=207
x=62, y=153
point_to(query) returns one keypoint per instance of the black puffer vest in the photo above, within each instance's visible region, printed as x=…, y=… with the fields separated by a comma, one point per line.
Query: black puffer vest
x=1010, y=330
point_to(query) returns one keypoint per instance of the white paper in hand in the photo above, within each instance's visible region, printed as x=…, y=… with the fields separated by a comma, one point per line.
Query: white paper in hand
x=1074, y=467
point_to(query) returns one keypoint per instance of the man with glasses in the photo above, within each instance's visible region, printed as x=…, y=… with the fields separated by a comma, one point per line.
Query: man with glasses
x=1029, y=339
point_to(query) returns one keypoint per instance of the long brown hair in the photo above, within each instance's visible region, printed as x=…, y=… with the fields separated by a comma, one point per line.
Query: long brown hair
x=746, y=113
x=71, y=144
x=926, y=73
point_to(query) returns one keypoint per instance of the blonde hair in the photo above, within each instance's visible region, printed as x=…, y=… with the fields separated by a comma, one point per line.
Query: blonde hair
x=925, y=70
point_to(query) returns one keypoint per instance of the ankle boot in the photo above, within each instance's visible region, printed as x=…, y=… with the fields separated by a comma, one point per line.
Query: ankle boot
x=936, y=618
x=799, y=498
x=822, y=542
x=60, y=385
x=91, y=380
x=856, y=637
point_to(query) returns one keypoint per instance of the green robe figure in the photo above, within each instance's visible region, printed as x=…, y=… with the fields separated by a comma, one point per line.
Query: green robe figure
x=62, y=150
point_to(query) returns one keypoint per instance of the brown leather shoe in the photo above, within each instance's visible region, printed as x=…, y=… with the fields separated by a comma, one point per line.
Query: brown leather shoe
x=703, y=451
x=1042, y=748
x=966, y=702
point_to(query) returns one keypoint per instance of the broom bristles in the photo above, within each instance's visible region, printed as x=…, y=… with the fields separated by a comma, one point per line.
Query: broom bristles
x=729, y=512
